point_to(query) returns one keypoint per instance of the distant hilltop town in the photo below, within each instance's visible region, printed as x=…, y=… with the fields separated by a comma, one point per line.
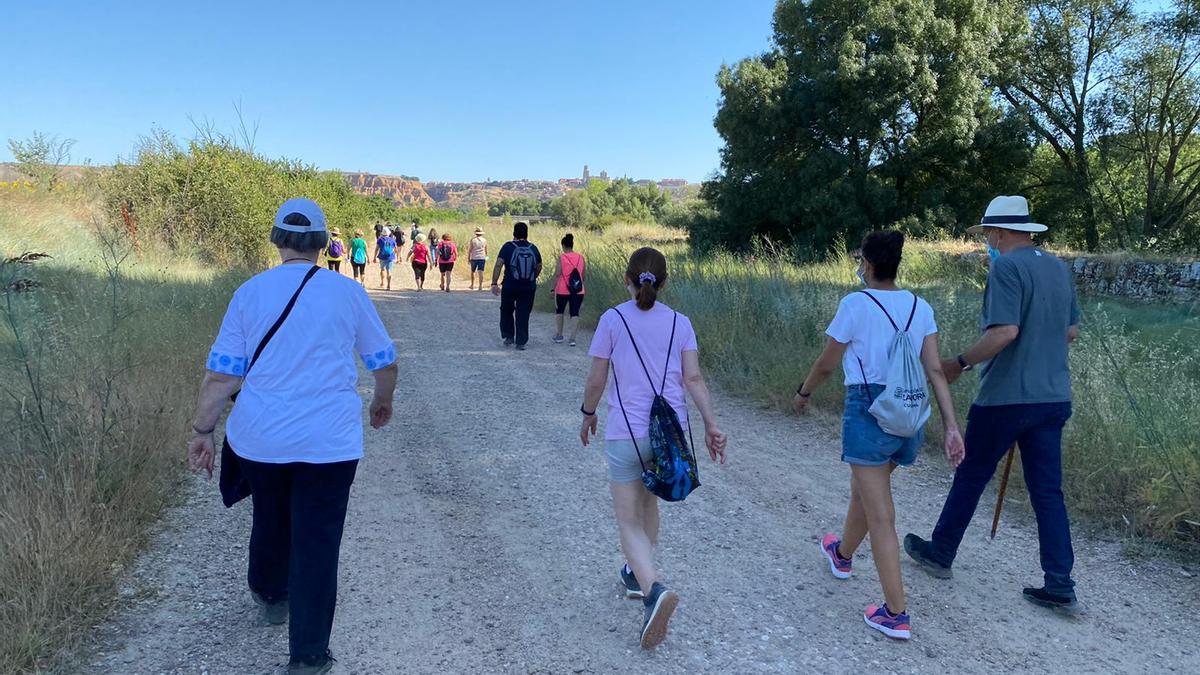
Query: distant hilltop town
x=410, y=191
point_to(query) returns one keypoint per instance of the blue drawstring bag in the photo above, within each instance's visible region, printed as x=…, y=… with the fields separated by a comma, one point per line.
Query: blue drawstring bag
x=673, y=474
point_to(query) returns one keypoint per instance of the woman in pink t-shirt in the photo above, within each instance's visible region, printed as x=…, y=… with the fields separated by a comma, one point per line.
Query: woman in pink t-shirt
x=446, y=252
x=651, y=324
x=419, y=255
x=564, y=294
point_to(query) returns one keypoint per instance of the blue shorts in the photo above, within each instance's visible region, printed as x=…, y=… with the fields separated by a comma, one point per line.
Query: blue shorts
x=863, y=442
x=478, y=265
x=386, y=265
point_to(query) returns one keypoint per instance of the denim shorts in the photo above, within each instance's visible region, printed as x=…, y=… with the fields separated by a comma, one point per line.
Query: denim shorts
x=623, y=464
x=478, y=265
x=386, y=265
x=863, y=442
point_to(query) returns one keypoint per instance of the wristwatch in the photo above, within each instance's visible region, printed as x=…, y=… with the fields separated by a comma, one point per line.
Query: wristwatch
x=962, y=363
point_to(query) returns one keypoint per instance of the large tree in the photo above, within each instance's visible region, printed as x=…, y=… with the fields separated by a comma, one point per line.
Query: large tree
x=1055, y=73
x=836, y=129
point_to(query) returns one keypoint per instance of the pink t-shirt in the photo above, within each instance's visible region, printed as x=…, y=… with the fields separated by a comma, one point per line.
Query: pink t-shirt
x=652, y=330
x=567, y=262
x=453, y=251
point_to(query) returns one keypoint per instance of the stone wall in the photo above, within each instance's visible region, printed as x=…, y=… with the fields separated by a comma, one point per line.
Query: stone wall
x=1137, y=279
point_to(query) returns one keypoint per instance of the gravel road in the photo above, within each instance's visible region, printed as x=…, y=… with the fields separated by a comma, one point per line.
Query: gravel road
x=480, y=538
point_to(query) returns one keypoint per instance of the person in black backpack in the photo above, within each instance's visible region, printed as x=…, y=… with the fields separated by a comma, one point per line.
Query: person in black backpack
x=521, y=263
x=655, y=364
x=569, y=275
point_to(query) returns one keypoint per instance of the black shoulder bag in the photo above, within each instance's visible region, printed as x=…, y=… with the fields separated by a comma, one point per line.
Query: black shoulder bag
x=234, y=486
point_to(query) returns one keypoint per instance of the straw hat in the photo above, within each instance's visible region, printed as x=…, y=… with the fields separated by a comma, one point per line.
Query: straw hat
x=1008, y=213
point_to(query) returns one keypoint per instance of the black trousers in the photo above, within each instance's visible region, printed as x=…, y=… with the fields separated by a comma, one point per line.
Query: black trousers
x=515, y=308
x=299, y=512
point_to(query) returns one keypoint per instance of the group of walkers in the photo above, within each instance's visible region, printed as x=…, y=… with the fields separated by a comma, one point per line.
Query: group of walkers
x=427, y=251
x=298, y=458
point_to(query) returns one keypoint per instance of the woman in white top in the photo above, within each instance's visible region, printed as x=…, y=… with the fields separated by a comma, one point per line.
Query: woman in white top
x=665, y=340
x=858, y=338
x=295, y=431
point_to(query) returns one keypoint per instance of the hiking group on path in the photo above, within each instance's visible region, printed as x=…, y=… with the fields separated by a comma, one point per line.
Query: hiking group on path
x=294, y=436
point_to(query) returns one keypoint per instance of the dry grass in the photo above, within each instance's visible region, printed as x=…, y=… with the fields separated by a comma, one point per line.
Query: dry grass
x=97, y=373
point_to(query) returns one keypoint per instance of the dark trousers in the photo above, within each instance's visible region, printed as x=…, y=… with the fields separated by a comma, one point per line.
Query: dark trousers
x=518, y=303
x=299, y=511
x=991, y=430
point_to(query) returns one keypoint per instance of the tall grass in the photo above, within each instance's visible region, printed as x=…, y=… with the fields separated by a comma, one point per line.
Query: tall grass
x=1132, y=458
x=98, y=364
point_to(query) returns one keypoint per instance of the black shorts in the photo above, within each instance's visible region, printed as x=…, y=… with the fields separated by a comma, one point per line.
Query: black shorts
x=446, y=267
x=561, y=302
x=359, y=268
x=419, y=270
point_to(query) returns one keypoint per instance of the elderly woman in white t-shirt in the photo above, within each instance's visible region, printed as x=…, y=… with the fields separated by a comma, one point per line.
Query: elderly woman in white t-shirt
x=858, y=338
x=295, y=433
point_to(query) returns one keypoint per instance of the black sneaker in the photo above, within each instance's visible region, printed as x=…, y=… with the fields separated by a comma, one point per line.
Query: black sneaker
x=316, y=665
x=270, y=613
x=520, y=348
x=508, y=342
x=630, y=583
x=1058, y=603
x=659, y=606
x=918, y=549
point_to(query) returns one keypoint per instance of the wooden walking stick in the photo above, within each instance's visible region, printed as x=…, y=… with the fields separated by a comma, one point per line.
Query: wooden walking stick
x=1003, y=488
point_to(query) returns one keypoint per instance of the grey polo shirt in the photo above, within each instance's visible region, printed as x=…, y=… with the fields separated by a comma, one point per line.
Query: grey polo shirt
x=1033, y=290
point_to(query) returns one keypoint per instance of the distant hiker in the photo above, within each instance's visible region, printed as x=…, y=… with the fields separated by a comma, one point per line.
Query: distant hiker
x=358, y=257
x=447, y=255
x=569, y=275
x=398, y=233
x=295, y=435
x=419, y=255
x=1030, y=317
x=335, y=251
x=652, y=350
x=414, y=231
x=379, y=227
x=864, y=338
x=521, y=263
x=385, y=255
x=477, y=255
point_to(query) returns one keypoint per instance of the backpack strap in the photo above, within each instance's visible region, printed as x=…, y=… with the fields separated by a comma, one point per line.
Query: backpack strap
x=639, y=352
x=912, y=314
x=885, y=312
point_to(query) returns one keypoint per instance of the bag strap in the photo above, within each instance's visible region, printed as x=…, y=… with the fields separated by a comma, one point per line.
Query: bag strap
x=621, y=403
x=279, y=322
x=884, y=309
x=912, y=314
x=674, y=321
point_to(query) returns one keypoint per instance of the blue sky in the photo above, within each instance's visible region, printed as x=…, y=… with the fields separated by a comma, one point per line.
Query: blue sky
x=448, y=90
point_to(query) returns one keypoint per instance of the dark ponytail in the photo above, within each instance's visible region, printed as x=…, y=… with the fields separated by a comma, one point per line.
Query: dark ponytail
x=647, y=272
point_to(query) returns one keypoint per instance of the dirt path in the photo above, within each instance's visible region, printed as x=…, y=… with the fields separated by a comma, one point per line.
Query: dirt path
x=480, y=539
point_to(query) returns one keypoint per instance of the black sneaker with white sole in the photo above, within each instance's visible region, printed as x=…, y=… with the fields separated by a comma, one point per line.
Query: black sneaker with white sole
x=660, y=605
x=918, y=549
x=317, y=665
x=1059, y=603
x=633, y=591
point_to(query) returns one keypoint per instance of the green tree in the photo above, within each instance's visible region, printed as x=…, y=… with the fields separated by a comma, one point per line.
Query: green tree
x=40, y=157
x=833, y=131
x=1054, y=73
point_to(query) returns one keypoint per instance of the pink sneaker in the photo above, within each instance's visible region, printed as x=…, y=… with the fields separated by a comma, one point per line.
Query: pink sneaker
x=837, y=564
x=897, y=626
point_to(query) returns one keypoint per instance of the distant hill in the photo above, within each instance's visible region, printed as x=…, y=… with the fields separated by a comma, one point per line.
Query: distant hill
x=401, y=190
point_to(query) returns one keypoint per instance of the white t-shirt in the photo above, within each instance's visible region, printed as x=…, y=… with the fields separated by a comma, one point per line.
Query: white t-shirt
x=860, y=324
x=300, y=402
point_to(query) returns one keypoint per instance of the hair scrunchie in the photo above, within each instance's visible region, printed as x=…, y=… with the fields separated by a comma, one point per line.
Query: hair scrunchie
x=647, y=278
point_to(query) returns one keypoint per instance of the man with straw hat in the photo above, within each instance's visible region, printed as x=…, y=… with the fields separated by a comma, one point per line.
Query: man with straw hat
x=477, y=251
x=1030, y=316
